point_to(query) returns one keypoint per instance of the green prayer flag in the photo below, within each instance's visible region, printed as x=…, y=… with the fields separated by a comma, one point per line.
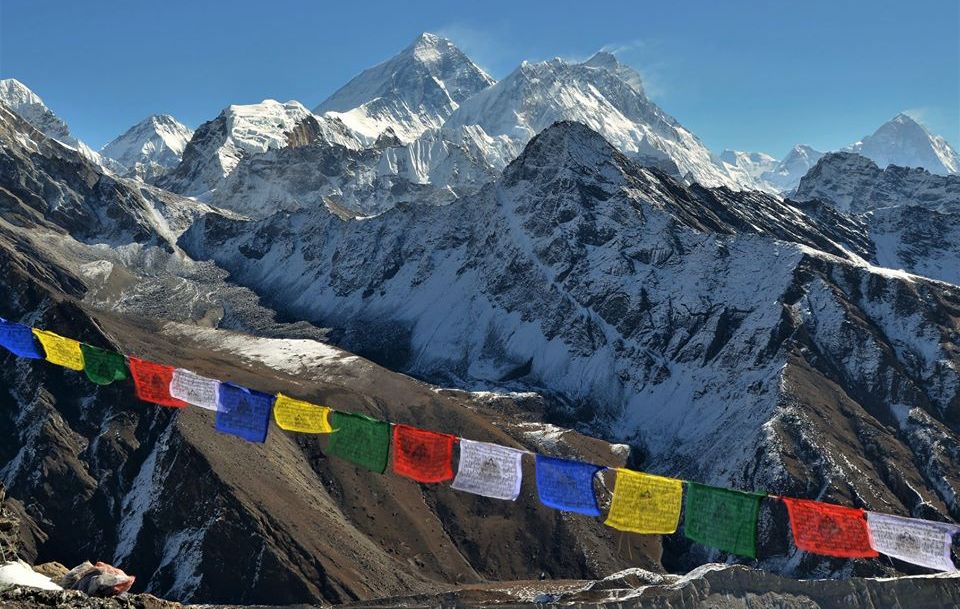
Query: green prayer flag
x=102, y=366
x=722, y=518
x=360, y=440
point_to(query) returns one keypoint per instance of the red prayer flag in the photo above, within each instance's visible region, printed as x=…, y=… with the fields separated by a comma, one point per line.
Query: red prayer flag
x=152, y=382
x=831, y=530
x=424, y=456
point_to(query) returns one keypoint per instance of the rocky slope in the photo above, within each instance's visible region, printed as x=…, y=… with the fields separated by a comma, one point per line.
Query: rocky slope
x=633, y=301
x=151, y=147
x=910, y=217
x=708, y=587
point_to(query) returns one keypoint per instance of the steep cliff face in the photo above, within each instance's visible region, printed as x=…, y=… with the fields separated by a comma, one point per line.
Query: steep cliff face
x=239, y=132
x=728, y=337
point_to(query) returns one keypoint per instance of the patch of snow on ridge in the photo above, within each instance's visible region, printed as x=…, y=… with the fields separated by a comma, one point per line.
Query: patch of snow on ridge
x=290, y=355
x=543, y=435
x=183, y=553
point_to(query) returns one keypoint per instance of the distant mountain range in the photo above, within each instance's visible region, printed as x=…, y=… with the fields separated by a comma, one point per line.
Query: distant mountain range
x=553, y=252
x=444, y=128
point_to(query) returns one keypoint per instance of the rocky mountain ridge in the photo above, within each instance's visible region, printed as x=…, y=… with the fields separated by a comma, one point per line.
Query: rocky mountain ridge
x=670, y=352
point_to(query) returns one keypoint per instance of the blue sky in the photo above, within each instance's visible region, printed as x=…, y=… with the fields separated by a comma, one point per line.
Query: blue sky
x=745, y=75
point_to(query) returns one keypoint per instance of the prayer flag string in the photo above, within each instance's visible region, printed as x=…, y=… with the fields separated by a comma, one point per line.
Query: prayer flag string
x=722, y=518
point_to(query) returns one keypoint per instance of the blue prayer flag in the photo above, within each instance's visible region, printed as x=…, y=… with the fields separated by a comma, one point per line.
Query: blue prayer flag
x=18, y=339
x=567, y=485
x=244, y=412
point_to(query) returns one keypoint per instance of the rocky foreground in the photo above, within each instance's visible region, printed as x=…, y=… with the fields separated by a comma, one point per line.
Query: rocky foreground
x=711, y=586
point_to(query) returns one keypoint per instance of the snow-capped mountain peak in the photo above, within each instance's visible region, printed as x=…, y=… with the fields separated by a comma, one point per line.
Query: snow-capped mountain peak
x=243, y=131
x=905, y=142
x=157, y=141
x=28, y=106
x=608, y=61
x=752, y=164
x=414, y=91
x=785, y=175
x=600, y=93
x=31, y=108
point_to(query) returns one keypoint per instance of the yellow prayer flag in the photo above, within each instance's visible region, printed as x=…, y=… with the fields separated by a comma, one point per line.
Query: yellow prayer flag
x=60, y=350
x=643, y=503
x=297, y=415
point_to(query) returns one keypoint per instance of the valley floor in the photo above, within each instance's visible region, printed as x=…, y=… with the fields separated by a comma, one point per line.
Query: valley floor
x=711, y=586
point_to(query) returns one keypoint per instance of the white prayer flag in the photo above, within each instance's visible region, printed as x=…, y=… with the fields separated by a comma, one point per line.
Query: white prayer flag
x=195, y=389
x=920, y=542
x=489, y=470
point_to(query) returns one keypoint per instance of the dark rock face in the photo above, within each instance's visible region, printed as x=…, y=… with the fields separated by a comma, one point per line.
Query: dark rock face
x=854, y=183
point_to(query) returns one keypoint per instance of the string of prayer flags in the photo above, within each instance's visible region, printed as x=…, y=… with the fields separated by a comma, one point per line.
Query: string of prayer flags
x=830, y=530
x=194, y=389
x=19, y=340
x=489, y=470
x=644, y=503
x=360, y=439
x=920, y=542
x=567, y=485
x=245, y=413
x=152, y=382
x=60, y=350
x=102, y=366
x=300, y=416
x=424, y=456
x=722, y=518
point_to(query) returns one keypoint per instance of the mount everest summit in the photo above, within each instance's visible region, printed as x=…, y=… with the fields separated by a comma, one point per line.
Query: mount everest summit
x=547, y=255
x=411, y=93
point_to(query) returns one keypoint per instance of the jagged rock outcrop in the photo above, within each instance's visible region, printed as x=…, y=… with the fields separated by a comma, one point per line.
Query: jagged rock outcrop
x=909, y=217
x=854, y=183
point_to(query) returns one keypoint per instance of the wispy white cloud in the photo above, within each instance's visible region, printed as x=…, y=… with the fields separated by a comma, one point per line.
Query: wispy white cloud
x=646, y=57
x=920, y=114
x=488, y=47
